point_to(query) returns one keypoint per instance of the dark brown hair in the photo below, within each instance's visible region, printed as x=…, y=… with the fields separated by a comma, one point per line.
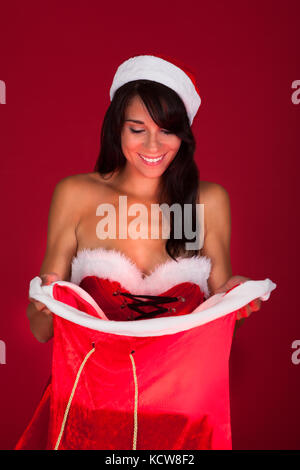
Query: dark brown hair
x=180, y=181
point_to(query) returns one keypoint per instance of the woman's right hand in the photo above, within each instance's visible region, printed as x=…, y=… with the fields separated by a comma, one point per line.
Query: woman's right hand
x=46, y=280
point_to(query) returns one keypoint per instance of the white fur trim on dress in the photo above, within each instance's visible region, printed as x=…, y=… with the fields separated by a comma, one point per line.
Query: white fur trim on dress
x=149, y=67
x=215, y=307
x=114, y=265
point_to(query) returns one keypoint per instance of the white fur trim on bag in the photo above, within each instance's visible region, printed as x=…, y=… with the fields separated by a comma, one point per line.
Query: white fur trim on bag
x=215, y=307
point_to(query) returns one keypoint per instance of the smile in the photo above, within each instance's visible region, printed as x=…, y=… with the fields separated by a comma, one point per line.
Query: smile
x=152, y=160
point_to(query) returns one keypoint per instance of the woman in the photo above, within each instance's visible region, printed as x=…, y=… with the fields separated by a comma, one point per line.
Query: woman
x=147, y=155
x=136, y=124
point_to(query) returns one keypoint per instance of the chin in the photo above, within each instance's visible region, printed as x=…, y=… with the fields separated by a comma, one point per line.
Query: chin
x=152, y=174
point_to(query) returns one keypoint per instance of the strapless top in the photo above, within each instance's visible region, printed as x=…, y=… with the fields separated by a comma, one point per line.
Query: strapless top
x=117, y=285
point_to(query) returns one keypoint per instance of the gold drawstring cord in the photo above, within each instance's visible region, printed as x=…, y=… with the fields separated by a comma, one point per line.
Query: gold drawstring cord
x=135, y=428
x=71, y=396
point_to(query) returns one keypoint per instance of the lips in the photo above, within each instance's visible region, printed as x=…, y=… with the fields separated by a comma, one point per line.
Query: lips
x=152, y=161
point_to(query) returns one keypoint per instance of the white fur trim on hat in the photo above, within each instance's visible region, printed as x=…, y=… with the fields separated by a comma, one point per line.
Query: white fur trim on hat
x=149, y=67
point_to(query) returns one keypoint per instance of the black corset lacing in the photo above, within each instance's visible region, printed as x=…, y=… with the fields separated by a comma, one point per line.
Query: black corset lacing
x=154, y=301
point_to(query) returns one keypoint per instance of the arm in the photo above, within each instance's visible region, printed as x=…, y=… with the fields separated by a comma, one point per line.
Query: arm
x=61, y=247
x=217, y=234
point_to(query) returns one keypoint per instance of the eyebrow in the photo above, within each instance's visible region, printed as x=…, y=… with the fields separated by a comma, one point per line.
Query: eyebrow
x=135, y=120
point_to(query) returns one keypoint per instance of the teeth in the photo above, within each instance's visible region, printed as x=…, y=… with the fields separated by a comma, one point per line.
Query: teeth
x=151, y=159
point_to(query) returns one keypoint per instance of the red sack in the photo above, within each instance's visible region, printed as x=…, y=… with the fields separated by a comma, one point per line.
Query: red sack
x=160, y=383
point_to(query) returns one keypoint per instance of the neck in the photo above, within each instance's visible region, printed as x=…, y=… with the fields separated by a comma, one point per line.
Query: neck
x=130, y=181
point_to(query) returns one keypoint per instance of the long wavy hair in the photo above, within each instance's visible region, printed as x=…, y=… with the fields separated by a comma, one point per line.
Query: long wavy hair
x=180, y=181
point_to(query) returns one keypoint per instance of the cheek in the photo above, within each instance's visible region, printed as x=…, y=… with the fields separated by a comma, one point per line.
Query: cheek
x=176, y=143
x=127, y=143
x=175, y=148
x=130, y=142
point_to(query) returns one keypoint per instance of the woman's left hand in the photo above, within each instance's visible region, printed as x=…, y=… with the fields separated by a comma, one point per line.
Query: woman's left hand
x=253, y=306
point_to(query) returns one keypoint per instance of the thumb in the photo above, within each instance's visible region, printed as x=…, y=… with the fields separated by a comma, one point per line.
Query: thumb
x=220, y=289
x=49, y=278
x=232, y=282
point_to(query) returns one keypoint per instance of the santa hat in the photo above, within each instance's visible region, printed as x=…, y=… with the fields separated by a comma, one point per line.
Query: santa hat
x=158, y=69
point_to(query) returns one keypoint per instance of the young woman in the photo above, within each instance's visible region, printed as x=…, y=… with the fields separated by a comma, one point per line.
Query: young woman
x=145, y=119
x=147, y=155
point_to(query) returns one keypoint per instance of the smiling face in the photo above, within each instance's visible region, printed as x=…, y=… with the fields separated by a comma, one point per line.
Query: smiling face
x=148, y=148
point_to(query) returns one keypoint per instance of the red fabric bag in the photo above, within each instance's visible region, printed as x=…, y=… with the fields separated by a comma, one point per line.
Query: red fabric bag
x=160, y=383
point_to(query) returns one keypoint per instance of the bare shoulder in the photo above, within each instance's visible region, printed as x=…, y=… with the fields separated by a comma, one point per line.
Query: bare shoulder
x=74, y=187
x=216, y=203
x=213, y=194
x=78, y=181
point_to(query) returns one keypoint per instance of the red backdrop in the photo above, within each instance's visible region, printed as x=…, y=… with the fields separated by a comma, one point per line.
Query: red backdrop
x=57, y=62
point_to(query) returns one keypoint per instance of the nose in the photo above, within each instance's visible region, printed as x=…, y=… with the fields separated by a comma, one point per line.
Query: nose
x=152, y=144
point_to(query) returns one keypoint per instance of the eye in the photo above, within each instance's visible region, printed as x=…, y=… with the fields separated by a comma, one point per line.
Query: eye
x=138, y=132
x=135, y=132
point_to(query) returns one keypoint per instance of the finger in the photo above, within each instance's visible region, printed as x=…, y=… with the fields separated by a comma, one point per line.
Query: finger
x=232, y=282
x=46, y=311
x=227, y=287
x=41, y=308
x=244, y=312
x=38, y=305
x=255, y=305
x=220, y=289
x=241, y=313
x=49, y=278
x=233, y=287
x=236, y=281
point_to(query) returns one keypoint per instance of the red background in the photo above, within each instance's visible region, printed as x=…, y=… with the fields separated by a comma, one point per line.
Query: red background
x=58, y=60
